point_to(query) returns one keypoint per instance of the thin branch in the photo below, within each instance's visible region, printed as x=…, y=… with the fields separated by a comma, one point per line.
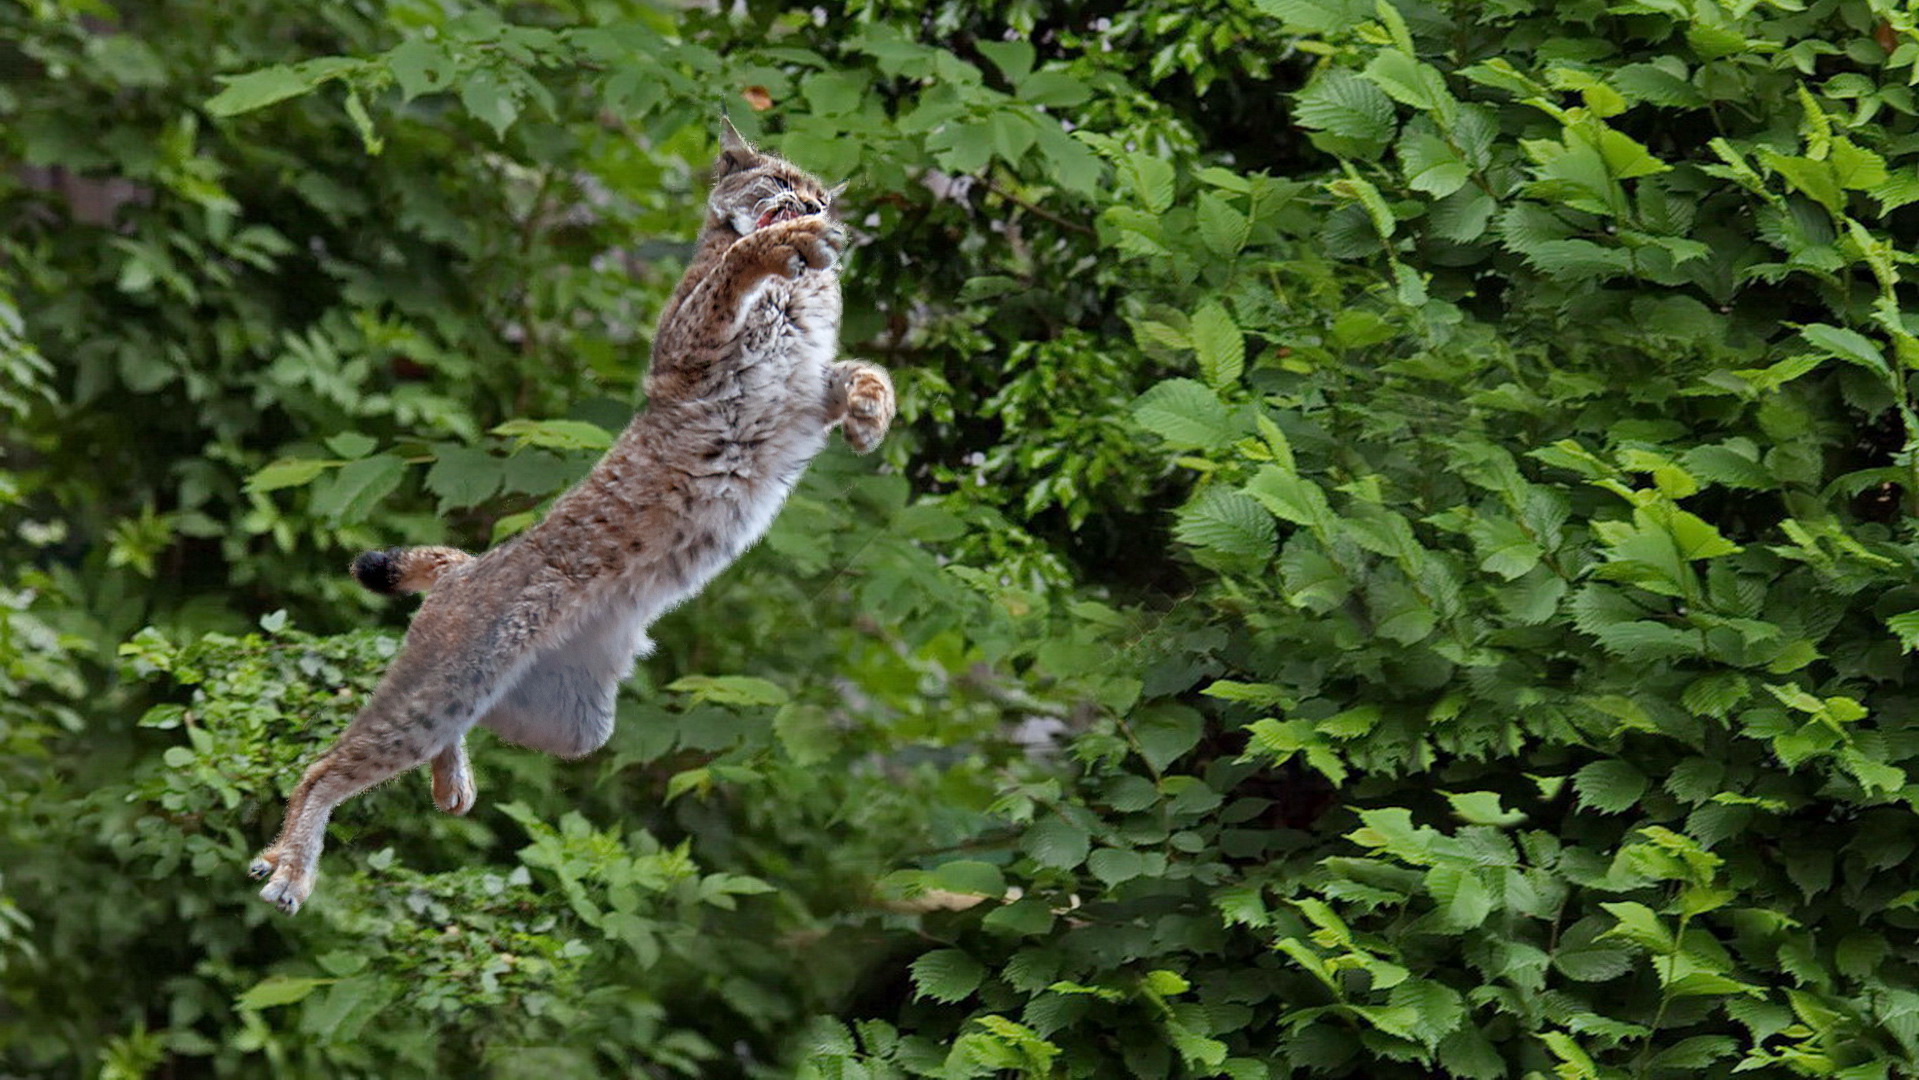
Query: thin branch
x=1033, y=209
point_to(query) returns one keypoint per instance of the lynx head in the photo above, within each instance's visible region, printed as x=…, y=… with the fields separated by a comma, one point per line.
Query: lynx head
x=752, y=190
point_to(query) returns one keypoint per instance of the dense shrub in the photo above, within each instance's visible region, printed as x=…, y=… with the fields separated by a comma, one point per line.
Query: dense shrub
x=1398, y=564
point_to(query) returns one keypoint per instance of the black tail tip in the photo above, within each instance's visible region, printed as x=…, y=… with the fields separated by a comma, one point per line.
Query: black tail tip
x=378, y=571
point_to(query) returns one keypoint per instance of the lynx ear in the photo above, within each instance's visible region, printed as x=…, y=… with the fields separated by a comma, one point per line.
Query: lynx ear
x=735, y=153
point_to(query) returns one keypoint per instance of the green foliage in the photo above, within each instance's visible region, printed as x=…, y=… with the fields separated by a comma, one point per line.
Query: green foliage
x=1398, y=563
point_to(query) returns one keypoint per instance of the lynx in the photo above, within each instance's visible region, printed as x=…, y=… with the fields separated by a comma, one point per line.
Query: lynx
x=532, y=638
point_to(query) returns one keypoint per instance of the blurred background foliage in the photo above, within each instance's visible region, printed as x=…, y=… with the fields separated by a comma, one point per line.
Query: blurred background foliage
x=1395, y=561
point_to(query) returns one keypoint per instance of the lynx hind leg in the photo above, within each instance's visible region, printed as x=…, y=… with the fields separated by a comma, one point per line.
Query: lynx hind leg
x=352, y=766
x=402, y=570
x=862, y=403
x=453, y=788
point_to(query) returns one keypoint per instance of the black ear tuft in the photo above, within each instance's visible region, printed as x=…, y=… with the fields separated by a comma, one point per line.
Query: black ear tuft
x=736, y=154
x=378, y=571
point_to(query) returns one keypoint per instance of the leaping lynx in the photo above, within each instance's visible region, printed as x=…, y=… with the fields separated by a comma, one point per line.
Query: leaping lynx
x=532, y=638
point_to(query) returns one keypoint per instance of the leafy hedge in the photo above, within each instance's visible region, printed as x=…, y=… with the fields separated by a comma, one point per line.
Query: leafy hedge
x=1399, y=564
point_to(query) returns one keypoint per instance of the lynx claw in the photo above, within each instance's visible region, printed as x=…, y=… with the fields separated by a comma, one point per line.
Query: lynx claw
x=259, y=868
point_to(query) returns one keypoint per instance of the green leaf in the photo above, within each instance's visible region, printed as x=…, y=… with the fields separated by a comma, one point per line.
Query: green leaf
x=946, y=975
x=463, y=476
x=969, y=877
x=557, y=434
x=278, y=990
x=1221, y=348
x=1114, y=865
x=351, y=444
x=258, y=89
x=744, y=690
x=1026, y=917
x=1410, y=82
x=1057, y=843
x=1229, y=523
x=1223, y=229
x=1848, y=345
x=1905, y=626
x=1610, y=786
x=1152, y=180
x=1349, y=107
x=353, y=492
x=1166, y=733
x=420, y=67
x=1638, y=924
x=490, y=100
x=1014, y=59
x=1580, y=956
x=1464, y=900
x=1185, y=413
x=286, y=473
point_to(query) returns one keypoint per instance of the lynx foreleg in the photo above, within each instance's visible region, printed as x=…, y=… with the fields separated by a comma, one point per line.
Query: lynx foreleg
x=859, y=398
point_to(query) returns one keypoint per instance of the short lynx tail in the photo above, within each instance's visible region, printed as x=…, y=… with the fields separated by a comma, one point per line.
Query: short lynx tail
x=401, y=570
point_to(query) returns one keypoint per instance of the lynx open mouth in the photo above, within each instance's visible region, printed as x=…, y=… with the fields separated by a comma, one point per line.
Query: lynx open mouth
x=778, y=214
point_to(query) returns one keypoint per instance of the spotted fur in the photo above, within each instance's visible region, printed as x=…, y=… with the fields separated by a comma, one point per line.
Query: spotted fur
x=532, y=638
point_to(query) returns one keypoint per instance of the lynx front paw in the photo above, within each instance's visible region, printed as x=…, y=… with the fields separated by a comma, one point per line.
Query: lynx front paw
x=807, y=243
x=869, y=407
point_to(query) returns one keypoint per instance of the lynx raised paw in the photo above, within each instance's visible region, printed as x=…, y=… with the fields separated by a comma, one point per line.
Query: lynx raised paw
x=795, y=246
x=869, y=407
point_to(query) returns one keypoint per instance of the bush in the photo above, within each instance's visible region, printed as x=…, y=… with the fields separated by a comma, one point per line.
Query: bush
x=1398, y=564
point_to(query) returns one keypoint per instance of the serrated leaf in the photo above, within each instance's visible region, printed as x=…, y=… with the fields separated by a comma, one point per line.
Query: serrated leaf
x=352, y=493
x=1221, y=228
x=1464, y=900
x=1057, y=843
x=1580, y=954
x=1152, y=180
x=946, y=975
x=1185, y=413
x=1345, y=105
x=1227, y=522
x=1848, y=345
x=462, y=476
x=1637, y=924
x=1609, y=787
x=1219, y=345
x=1115, y=865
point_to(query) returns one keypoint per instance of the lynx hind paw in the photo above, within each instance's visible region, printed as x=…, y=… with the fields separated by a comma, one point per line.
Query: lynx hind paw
x=869, y=408
x=454, y=790
x=287, y=891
